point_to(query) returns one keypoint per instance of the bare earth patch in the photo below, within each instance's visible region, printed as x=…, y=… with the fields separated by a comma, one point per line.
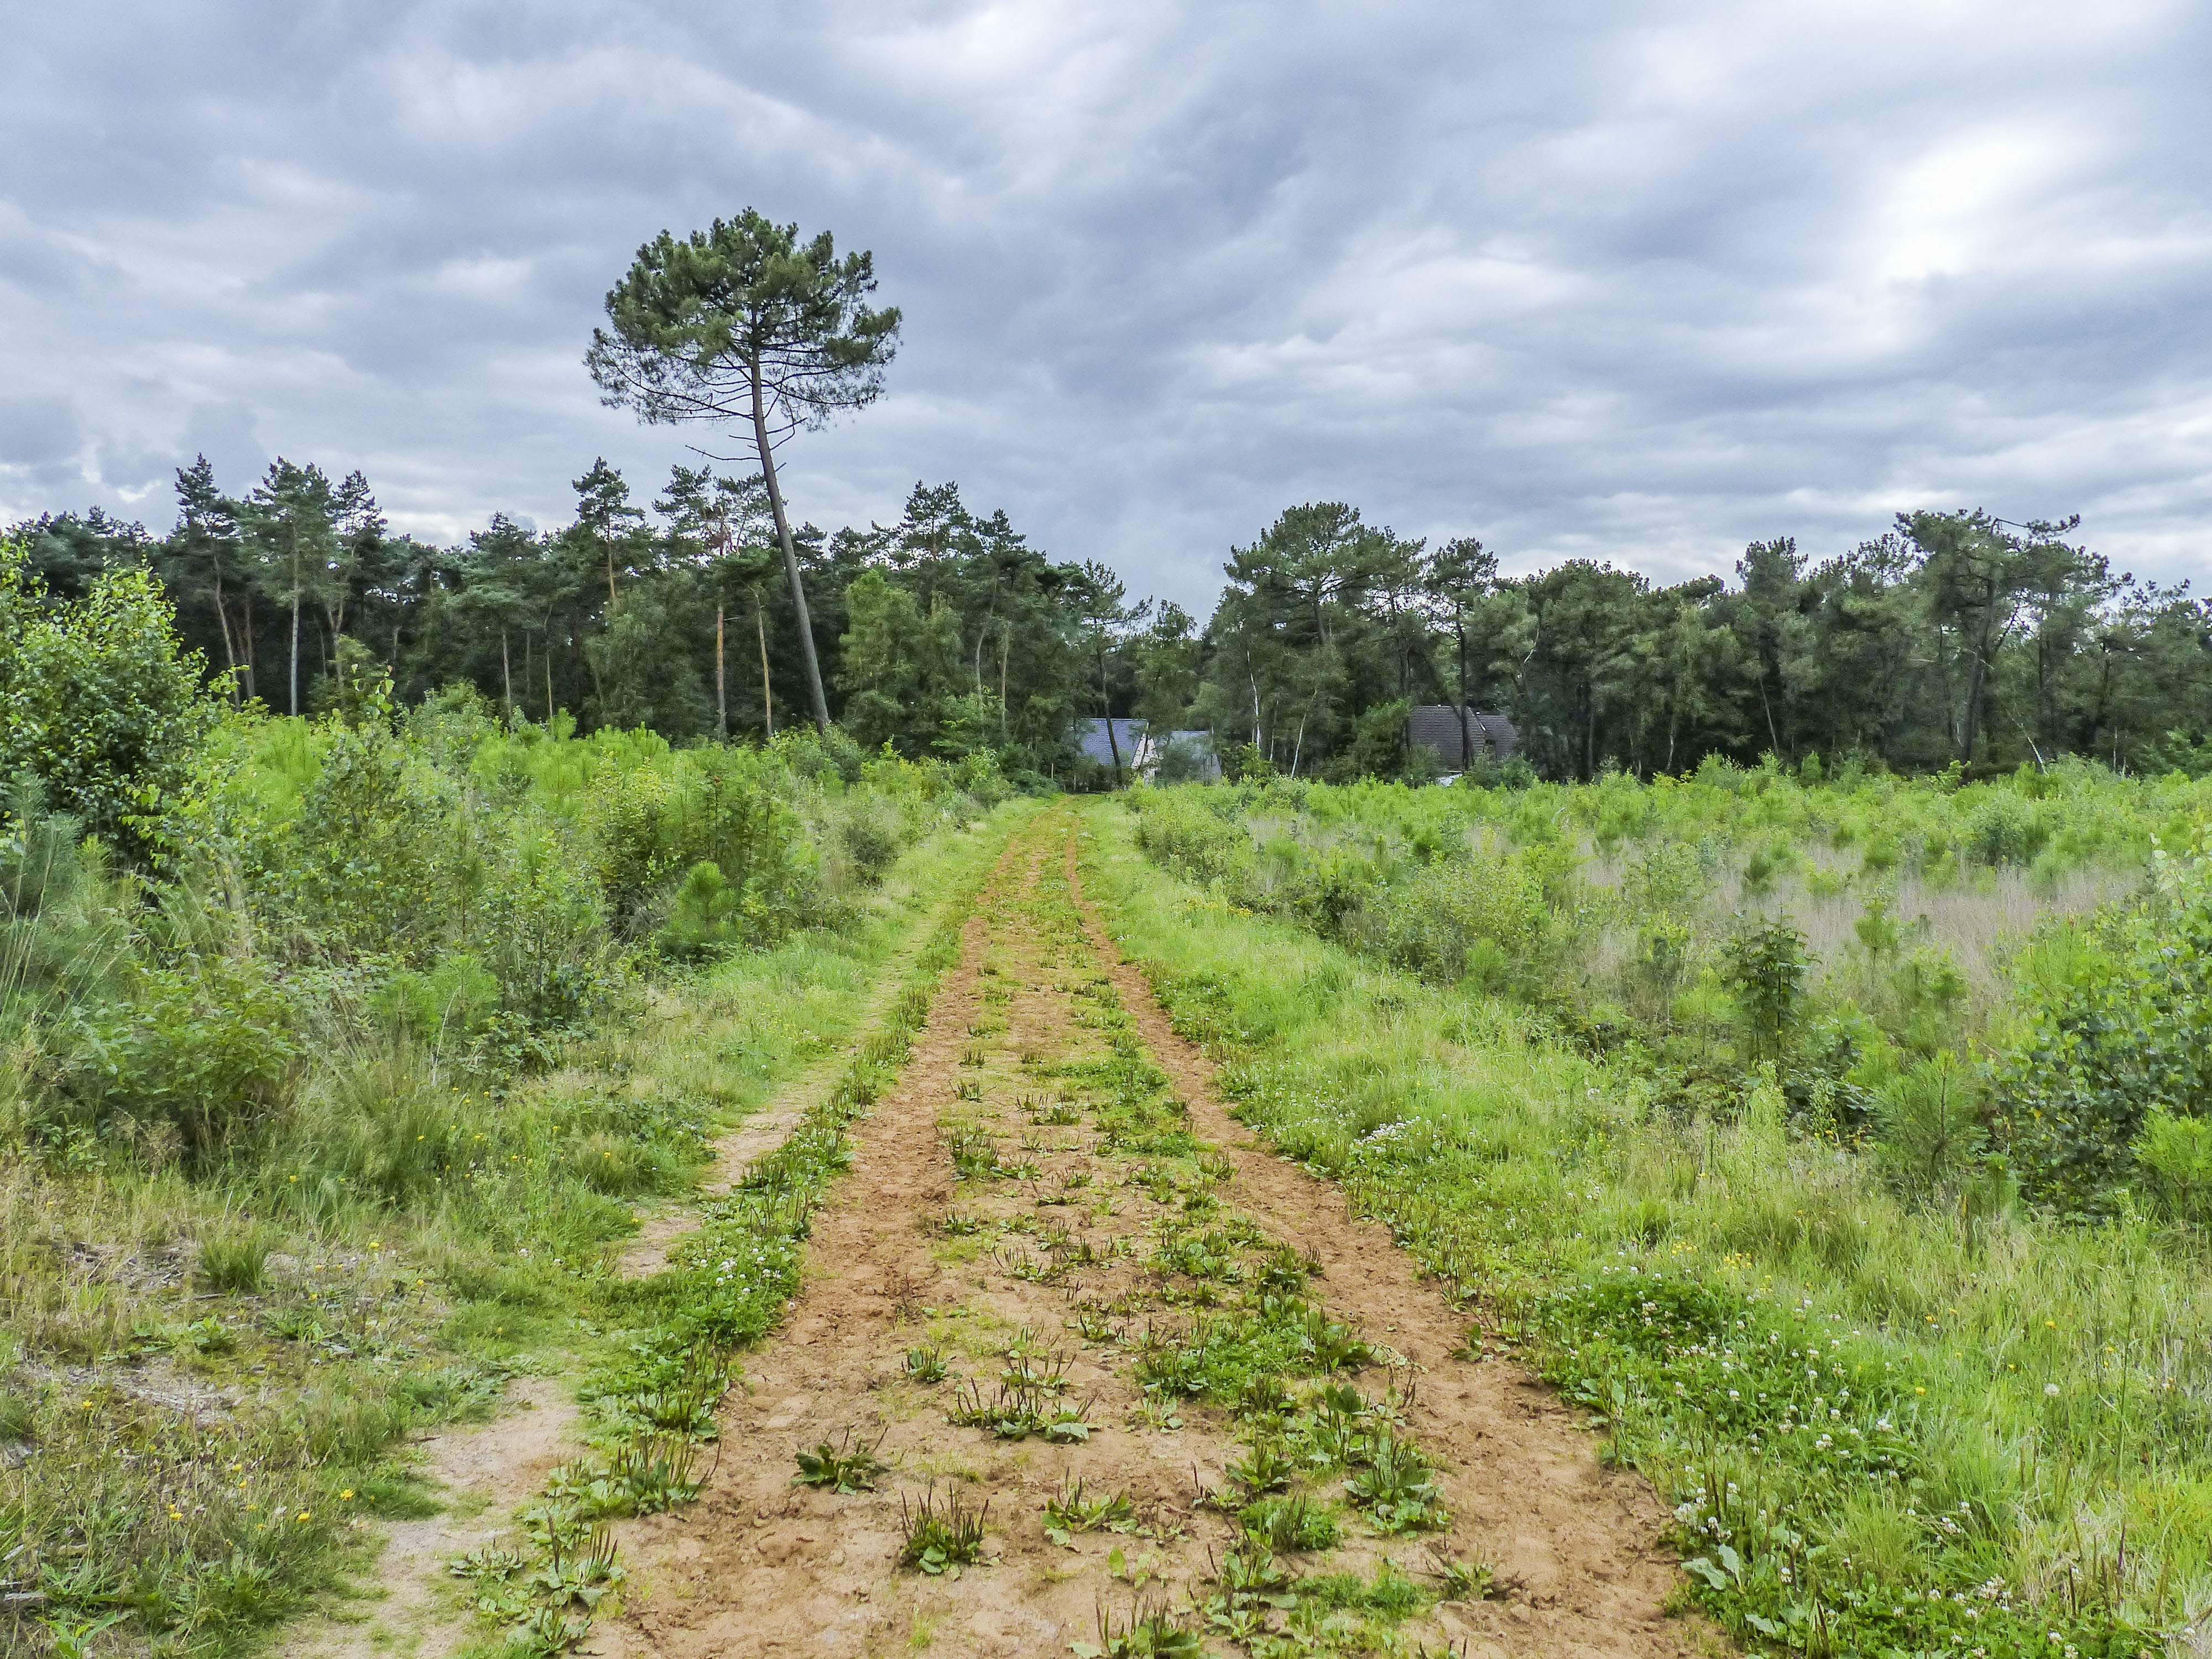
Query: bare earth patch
x=483, y=1471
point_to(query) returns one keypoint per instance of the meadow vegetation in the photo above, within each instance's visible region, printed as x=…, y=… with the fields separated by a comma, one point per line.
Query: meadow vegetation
x=1836, y=1136
x=1834, y=1140
x=338, y=1061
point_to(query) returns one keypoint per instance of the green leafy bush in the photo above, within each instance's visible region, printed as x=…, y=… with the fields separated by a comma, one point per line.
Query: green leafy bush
x=196, y=1059
x=1483, y=918
x=2122, y=1040
x=372, y=855
x=98, y=700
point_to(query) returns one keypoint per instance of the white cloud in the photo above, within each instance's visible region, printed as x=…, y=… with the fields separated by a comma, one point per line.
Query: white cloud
x=1638, y=286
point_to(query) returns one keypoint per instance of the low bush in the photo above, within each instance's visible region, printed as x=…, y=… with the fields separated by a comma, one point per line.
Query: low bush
x=2116, y=1055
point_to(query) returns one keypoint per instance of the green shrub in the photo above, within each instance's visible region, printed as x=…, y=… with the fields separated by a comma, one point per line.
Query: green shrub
x=2175, y=1154
x=61, y=937
x=650, y=826
x=373, y=855
x=1483, y=919
x=98, y=700
x=1929, y=1123
x=707, y=915
x=2122, y=1035
x=541, y=929
x=446, y=1006
x=207, y=1049
x=1766, y=965
x=872, y=835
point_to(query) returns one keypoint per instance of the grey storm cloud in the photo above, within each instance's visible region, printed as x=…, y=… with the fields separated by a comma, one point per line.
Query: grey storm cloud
x=1636, y=284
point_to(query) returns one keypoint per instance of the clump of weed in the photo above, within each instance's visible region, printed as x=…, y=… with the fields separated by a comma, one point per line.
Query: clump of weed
x=939, y=1538
x=1019, y=1410
x=644, y=1474
x=1398, y=1487
x=1149, y=1630
x=1030, y=1366
x=1266, y=1468
x=1073, y=1510
x=234, y=1260
x=973, y=1152
x=1294, y=1523
x=1092, y=1323
x=1392, y=1592
x=1465, y=1581
x=927, y=1364
x=847, y=1466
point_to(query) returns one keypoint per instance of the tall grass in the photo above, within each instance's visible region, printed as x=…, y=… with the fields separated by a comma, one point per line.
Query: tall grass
x=206, y=1375
x=2015, y=1436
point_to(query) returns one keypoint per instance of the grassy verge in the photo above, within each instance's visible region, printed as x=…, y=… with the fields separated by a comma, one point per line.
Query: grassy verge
x=1887, y=1430
x=205, y=1386
x=654, y=1383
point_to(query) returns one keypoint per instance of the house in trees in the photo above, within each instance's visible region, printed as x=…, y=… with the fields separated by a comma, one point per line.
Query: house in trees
x=1143, y=751
x=1489, y=738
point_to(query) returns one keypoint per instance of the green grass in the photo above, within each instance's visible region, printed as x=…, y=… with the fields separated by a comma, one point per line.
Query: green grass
x=1888, y=1425
x=208, y=1381
x=668, y=1345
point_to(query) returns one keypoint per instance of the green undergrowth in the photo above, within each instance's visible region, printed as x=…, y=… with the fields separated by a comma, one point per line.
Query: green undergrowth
x=669, y=1343
x=1885, y=1428
x=207, y=1384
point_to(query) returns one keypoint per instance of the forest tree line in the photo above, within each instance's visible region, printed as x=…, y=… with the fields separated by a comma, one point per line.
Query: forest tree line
x=1956, y=637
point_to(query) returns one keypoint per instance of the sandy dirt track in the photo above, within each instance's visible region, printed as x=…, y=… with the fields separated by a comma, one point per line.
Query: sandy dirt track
x=1046, y=1253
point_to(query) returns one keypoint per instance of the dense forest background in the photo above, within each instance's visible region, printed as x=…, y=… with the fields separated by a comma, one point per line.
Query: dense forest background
x=1956, y=637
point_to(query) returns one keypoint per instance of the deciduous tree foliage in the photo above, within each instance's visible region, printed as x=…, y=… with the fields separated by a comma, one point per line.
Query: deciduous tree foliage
x=98, y=705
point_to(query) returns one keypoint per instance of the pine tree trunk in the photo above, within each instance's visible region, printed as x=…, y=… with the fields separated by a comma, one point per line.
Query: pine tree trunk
x=722, y=686
x=246, y=633
x=814, y=669
x=222, y=622
x=507, y=679
x=1106, y=702
x=1466, y=734
x=767, y=694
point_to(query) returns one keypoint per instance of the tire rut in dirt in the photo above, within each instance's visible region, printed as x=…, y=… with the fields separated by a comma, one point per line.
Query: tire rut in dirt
x=1032, y=1210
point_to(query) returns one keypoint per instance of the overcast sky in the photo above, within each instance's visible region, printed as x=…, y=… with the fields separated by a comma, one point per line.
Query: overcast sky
x=1628, y=283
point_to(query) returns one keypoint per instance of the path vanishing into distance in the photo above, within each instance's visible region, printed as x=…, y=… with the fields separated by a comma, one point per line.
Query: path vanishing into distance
x=1051, y=1208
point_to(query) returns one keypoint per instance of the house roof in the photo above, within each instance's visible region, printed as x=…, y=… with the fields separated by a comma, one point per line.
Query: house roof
x=1436, y=725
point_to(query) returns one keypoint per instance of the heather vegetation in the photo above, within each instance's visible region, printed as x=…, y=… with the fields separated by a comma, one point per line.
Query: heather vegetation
x=1837, y=1139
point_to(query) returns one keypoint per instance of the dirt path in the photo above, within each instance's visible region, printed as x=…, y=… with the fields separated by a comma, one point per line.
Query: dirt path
x=1054, y=1206
x=483, y=1469
x=486, y=1471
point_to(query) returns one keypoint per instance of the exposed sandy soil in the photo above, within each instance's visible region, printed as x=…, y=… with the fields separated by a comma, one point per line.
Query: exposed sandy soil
x=484, y=1470
x=1057, y=1235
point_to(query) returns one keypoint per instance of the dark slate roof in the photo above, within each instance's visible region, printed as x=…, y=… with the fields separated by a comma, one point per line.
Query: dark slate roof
x=1091, y=738
x=1437, y=724
x=1141, y=752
